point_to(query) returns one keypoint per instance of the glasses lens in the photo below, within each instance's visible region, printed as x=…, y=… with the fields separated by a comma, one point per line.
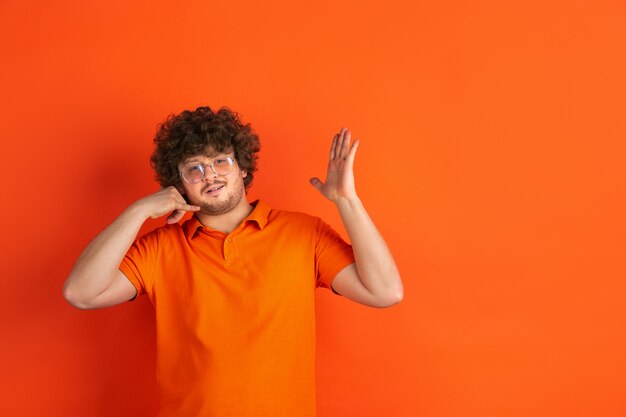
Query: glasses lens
x=223, y=166
x=193, y=173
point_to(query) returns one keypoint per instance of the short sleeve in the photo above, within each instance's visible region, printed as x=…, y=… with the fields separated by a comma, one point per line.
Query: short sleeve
x=332, y=254
x=139, y=262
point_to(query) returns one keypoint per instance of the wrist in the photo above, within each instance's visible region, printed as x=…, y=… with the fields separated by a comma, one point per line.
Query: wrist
x=136, y=211
x=351, y=201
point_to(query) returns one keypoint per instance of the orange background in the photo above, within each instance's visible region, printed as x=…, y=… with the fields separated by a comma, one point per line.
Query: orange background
x=492, y=159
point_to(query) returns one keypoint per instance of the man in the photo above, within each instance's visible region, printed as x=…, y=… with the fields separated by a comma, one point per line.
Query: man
x=233, y=286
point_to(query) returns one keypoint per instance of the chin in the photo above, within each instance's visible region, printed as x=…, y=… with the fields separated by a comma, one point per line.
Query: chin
x=221, y=207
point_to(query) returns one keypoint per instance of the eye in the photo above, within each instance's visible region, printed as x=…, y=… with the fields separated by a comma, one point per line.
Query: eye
x=194, y=168
x=221, y=161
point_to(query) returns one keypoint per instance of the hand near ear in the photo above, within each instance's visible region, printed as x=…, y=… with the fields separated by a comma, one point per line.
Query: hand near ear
x=167, y=200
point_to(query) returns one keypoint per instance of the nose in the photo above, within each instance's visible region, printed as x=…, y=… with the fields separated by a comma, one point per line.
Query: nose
x=209, y=173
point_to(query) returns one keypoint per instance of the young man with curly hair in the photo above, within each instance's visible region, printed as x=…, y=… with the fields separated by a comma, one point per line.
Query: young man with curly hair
x=233, y=286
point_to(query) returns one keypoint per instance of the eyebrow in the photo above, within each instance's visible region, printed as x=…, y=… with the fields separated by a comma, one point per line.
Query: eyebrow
x=214, y=156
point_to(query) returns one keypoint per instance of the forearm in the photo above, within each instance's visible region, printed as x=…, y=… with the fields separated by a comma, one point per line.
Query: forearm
x=95, y=269
x=375, y=265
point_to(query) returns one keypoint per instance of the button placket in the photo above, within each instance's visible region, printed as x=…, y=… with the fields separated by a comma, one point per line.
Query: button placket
x=228, y=250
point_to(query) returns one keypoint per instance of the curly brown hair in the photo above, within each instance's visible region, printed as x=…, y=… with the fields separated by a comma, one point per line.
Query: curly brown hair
x=190, y=133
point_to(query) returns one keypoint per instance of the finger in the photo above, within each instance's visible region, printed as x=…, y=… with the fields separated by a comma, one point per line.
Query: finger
x=352, y=153
x=341, y=136
x=187, y=207
x=340, y=143
x=345, y=145
x=333, y=147
x=317, y=183
x=353, y=148
x=175, y=216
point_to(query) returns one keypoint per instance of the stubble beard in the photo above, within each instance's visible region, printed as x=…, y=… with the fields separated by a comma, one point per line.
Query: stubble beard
x=221, y=207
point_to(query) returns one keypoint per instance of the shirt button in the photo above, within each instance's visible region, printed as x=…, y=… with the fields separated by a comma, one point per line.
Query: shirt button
x=227, y=240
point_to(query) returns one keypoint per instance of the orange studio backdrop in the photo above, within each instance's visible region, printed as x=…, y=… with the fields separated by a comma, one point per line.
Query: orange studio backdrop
x=492, y=159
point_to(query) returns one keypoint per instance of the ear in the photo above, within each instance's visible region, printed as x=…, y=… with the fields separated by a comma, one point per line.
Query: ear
x=244, y=173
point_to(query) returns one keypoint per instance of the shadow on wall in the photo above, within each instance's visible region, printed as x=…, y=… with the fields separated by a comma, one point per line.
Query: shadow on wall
x=121, y=339
x=98, y=362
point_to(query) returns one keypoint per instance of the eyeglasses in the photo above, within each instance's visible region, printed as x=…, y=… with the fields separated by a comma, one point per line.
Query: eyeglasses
x=194, y=173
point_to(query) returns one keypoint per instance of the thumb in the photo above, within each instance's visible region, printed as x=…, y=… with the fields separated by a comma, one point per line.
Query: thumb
x=315, y=182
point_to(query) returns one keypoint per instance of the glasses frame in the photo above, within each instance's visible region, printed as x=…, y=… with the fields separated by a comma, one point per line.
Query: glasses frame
x=231, y=164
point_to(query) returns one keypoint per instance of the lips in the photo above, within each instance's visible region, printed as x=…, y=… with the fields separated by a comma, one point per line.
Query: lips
x=214, y=189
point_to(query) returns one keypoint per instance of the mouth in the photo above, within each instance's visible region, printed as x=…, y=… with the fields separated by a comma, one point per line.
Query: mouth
x=214, y=189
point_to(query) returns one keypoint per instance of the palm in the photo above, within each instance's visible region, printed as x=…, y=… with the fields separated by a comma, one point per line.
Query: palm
x=340, y=176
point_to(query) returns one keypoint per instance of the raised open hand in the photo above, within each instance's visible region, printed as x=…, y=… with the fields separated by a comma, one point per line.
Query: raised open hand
x=340, y=177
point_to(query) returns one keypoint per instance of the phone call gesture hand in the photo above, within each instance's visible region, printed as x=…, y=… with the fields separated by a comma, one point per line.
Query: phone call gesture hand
x=167, y=200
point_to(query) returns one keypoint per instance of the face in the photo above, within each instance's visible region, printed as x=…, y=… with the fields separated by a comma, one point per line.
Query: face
x=215, y=194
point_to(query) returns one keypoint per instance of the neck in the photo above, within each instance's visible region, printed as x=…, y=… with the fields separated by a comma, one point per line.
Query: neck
x=228, y=221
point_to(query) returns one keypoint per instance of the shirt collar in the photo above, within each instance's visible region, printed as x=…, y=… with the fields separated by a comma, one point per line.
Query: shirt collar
x=259, y=214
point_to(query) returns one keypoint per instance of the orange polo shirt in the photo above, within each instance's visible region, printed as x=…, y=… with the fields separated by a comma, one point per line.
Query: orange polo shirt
x=235, y=312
